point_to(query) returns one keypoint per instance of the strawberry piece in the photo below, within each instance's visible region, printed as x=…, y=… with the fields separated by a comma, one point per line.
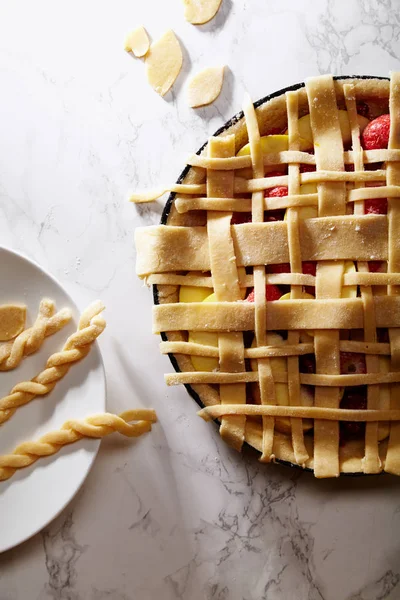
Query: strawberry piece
x=274, y=215
x=309, y=267
x=272, y=292
x=376, y=206
x=354, y=398
x=382, y=335
x=307, y=363
x=352, y=362
x=376, y=134
x=307, y=168
x=375, y=266
x=274, y=174
x=363, y=109
x=240, y=217
x=280, y=191
x=283, y=268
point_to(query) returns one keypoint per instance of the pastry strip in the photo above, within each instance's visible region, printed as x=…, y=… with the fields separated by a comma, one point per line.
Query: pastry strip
x=320, y=380
x=392, y=464
x=310, y=412
x=295, y=259
x=344, y=313
x=371, y=462
x=349, y=237
x=328, y=149
x=194, y=349
x=266, y=382
x=226, y=286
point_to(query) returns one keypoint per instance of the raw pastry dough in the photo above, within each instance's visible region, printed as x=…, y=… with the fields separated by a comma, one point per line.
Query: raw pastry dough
x=77, y=346
x=12, y=321
x=137, y=41
x=198, y=12
x=164, y=62
x=205, y=87
x=96, y=426
x=30, y=340
x=355, y=276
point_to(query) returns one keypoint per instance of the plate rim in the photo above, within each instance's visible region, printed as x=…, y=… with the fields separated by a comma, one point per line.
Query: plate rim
x=97, y=442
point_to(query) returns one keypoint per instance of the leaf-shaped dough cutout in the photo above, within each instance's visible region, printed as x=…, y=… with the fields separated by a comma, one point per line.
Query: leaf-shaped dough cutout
x=137, y=41
x=205, y=87
x=12, y=321
x=198, y=12
x=163, y=62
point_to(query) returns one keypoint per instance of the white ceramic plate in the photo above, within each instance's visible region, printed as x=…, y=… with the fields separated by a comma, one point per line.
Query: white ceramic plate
x=36, y=495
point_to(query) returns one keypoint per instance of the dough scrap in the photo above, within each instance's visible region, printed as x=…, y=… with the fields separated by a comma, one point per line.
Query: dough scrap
x=12, y=321
x=164, y=62
x=198, y=12
x=137, y=41
x=205, y=86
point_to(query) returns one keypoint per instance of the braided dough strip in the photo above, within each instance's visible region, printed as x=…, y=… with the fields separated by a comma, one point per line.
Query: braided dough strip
x=77, y=346
x=29, y=341
x=307, y=412
x=96, y=426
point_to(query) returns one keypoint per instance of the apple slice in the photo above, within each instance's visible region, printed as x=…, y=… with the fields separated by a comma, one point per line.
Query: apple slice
x=206, y=338
x=269, y=144
x=306, y=135
x=349, y=291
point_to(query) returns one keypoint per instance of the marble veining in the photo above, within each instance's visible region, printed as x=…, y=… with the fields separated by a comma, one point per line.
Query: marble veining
x=176, y=514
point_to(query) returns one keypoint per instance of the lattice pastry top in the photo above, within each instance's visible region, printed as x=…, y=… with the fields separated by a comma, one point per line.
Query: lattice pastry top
x=278, y=276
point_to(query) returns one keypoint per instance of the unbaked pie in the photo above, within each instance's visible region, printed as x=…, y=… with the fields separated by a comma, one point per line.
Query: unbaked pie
x=276, y=272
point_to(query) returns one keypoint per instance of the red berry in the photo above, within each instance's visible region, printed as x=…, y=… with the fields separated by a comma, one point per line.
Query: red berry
x=309, y=267
x=363, y=109
x=375, y=266
x=307, y=363
x=307, y=168
x=376, y=134
x=283, y=268
x=382, y=335
x=354, y=398
x=274, y=174
x=376, y=206
x=274, y=131
x=277, y=192
x=351, y=363
x=272, y=292
x=274, y=215
x=240, y=217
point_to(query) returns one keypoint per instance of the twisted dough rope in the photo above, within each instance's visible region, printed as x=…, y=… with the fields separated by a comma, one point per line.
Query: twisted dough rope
x=77, y=346
x=29, y=341
x=96, y=426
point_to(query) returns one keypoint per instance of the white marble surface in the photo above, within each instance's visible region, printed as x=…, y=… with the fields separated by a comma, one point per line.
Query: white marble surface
x=176, y=515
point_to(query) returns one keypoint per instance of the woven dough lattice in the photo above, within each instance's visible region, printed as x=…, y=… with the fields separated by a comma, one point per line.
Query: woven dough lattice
x=345, y=312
